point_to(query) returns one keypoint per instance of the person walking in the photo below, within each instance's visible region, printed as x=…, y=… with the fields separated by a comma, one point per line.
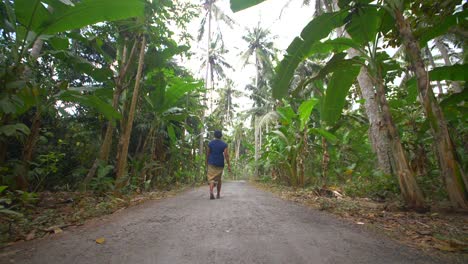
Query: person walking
x=216, y=153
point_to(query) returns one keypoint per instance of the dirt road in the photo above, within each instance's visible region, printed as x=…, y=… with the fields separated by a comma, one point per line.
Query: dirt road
x=245, y=226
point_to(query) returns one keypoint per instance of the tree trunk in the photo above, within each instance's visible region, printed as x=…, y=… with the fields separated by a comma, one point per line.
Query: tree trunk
x=202, y=129
x=325, y=161
x=408, y=185
x=28, y=150
x=455, y=179
x=378, y=133
x=108, y=137
x=30, y=144
x=125, y=139
x=256, y=129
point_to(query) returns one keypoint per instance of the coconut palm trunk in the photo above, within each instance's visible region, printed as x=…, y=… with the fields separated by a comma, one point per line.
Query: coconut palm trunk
x=451, y=170
x=207, y=74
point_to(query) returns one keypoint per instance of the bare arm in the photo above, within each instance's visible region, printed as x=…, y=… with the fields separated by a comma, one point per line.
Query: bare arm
x=226, y=156
x=208, y=152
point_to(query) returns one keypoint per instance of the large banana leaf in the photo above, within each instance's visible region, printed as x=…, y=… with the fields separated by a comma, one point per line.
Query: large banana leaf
x=364, y=24
x=304, y=111
x=428, y=33
x=91, y=101
x=338, y=87
x=324, y=133
x=164, y=98
x=82, y=65
x=457, y=72
x=333, y=45
x=298, y=50
x=238, y=5
x=33, y=15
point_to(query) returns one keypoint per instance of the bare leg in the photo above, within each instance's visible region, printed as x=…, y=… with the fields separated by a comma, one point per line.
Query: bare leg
x=211, y=190
x=218, y=187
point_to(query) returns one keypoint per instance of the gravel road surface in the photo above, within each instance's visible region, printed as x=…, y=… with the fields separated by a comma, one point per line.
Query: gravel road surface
x=246, y=225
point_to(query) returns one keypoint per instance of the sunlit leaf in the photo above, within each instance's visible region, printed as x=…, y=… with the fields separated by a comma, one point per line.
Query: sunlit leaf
x=238, y=5
x=304, y=111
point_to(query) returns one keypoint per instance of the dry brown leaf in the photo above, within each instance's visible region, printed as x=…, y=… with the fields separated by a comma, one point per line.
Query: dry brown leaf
x=57, y=230
x=100, y=240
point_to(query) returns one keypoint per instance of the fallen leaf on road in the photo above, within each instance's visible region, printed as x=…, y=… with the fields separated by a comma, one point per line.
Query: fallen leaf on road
x=100, y=240
x=57, y=230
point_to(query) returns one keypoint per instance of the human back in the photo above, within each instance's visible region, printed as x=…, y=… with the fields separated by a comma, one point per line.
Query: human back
x=216, y=156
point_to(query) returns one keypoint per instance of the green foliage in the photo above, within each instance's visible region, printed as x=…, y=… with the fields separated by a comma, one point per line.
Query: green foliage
x=338, y=87
x=44, y=166
x=377, y=185
x=238, y=5
x=364, y=24
x=16, y=130
x=297, y=51
x=91, y=101
x=102, y=183
x=70, y=16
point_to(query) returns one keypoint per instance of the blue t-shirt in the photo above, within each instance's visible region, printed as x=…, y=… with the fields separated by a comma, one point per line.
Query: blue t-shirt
x=216, y=157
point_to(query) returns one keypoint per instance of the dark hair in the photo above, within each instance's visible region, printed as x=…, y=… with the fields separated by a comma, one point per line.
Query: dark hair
x=218, y=134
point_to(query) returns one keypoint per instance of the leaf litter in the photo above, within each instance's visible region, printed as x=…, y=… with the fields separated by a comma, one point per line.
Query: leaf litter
x=56, y=211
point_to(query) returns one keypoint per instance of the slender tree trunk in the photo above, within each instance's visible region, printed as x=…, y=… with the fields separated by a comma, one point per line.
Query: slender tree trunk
x=28, y=150
x=451, y=170
x=108, y=136
x=302, y=157
x=125, y=139
x=256, y=136
x=208, y=65
x=325, y=161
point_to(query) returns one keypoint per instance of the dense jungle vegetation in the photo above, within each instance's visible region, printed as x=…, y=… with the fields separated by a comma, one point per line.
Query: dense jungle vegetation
x=95, y=97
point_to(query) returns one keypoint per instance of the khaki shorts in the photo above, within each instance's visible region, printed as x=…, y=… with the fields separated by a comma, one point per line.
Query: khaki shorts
x=214, y=173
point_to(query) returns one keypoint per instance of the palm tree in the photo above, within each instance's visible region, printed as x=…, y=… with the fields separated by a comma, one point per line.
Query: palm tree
x=216, y=64
x=261, y=47
x=211, y=11
x=225, y=106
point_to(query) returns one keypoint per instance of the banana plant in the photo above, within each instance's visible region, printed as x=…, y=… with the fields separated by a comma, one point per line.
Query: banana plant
x=291, y=136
